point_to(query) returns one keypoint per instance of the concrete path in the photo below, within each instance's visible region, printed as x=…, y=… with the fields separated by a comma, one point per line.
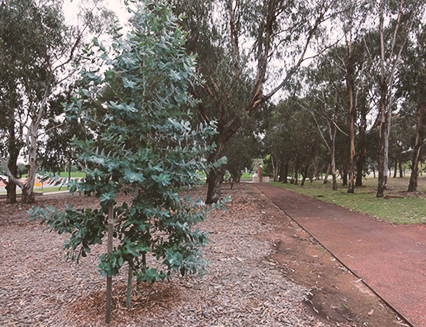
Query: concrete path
x=390, y=259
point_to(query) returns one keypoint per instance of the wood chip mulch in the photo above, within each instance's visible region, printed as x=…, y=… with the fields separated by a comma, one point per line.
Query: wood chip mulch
x=242, y=287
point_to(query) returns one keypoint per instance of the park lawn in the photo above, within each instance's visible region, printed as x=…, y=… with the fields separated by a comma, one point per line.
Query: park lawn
x=45, y=190
x=397, y=206
x=74, y=174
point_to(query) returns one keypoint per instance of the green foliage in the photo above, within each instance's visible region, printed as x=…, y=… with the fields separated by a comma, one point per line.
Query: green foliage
x=240, y=151
x=146, y=148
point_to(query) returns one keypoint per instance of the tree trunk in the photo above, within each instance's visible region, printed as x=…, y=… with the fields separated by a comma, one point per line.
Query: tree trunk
x=361, y=147
x=360, y=169
x=421, y=117
x=284, y=173
x=215, y=175
x=109, y=251
x=129, y=287
x=344, y=173
x=333, y=173
x=326, y=175
x=12, y=164
x=296, y=173
x=69, y=170
x=351, y=120
x=304, y=175
x=400, y=169
x=237, y=178
x=214, y=181
x=28, y=195
x=386, y=157
x=11, y=192
x=395, y=166
x=381, y=183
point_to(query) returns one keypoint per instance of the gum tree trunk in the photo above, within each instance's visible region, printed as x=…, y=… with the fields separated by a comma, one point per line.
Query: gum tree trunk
x=361, y=147
x=351, y=119
x=215, y=175
x=28, y=195
x=326, y=175
x=412, y=186
x=12, y=164
x=304, y=175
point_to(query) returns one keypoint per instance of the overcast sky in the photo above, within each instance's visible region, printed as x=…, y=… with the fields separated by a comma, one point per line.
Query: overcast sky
x=117, y=6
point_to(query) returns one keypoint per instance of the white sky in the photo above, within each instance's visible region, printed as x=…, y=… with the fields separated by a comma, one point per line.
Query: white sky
x=117, y=6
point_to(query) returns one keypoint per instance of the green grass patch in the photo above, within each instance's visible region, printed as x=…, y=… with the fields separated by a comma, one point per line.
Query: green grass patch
x=246, y=177
x=397, y=206
x=73, y=174
x=44, y=190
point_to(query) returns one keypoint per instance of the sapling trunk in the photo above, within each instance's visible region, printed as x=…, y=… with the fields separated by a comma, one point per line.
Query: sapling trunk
x=109, y=278
x=129, y=287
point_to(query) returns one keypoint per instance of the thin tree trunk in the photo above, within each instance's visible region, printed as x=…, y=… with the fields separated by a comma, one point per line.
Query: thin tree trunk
x=381, y=183
x=109, y=251
x=421, y=117
x=400, y=169
x=351, y=119
x=326, y=174
x=333, y=173
x=274, y=169
x=129, y=287
x=304, y=175
x=395, y=166
x=361, y=147
x=344, y=175
x=386, y=158
x=296, y=173
x=69, y=170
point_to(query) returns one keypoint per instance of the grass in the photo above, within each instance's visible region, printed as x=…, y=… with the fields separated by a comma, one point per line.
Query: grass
x=397, y=207
x=74, y=174
x=246, y=176
x=45, y=190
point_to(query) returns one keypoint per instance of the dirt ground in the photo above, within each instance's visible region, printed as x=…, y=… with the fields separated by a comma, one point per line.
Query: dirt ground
x=264, y=271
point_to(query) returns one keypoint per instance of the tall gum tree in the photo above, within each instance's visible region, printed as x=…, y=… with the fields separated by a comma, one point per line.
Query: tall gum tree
x=413, y=88
x=400, y=17
x=236, y=44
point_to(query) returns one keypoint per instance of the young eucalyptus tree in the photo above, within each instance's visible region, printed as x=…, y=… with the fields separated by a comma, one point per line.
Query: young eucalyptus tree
x=146, y=148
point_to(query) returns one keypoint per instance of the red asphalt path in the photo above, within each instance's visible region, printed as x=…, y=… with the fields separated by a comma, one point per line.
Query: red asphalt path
x=390, y=259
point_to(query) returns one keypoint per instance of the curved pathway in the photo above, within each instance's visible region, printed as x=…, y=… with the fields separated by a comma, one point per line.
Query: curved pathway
x=390, y=259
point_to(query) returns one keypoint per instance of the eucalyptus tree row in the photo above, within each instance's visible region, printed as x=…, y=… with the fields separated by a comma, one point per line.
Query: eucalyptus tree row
x=372, y=79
